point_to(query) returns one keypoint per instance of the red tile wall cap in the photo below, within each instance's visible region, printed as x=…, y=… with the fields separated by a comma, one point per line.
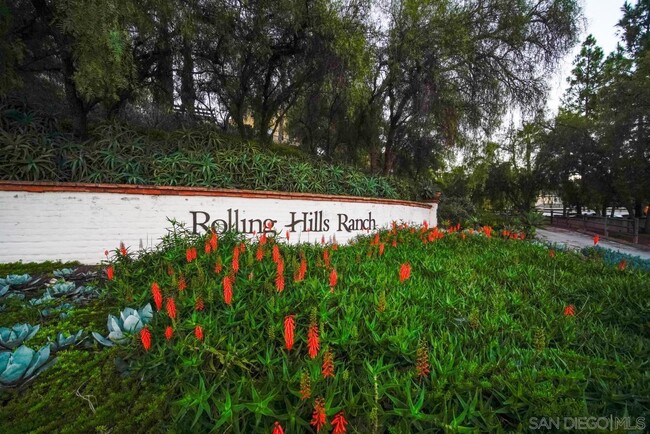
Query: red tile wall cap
x=153, y=190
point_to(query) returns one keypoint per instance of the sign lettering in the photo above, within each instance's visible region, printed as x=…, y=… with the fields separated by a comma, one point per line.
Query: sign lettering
x=296, y=221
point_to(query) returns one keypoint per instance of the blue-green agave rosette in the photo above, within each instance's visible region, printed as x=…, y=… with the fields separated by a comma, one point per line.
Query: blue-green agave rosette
x=13, y=337
x=119, y=329
x=22, y=365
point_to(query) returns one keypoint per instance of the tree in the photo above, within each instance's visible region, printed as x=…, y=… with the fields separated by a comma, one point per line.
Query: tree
x=452, y=67
x=336, y=115
x=516, y=180
x=259, y=56
x=586, y=80
x=391, y=94
x=626, y=111
x=577, y=160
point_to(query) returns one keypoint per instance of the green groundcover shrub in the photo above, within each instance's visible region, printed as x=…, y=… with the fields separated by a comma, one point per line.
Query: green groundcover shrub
x=409, y=330
x=201, y=156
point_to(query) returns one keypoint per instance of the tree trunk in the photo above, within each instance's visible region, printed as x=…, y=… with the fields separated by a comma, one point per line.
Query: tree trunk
x=164, y=92
x=78, y=109
x=389, y=159
x=389, y=156
x=188, y=93
x=263, y=129
x=374, y=159
x=114, y=109
x=638, y=209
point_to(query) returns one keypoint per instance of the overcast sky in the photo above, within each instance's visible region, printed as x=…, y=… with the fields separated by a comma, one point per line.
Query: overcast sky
x=601, y=18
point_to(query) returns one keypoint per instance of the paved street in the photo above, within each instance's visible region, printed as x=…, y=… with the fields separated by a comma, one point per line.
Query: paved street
x=577, y=240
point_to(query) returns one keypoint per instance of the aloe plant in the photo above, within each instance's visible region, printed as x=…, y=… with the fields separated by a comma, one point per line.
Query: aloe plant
x=23, y=365
x=13, y=337
x=119, y=329
x=61, y=342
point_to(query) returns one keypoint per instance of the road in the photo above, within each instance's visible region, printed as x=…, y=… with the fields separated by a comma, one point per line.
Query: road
x=576, y=240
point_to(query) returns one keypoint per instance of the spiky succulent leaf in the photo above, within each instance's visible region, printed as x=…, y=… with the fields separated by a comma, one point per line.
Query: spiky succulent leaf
x=4, y=360
x=102, y=340
x=133, y=324
x=127, y=312
x=113, y=324
x=118, y=337
x=17, y=365
x=146, y=313
x=38, y=360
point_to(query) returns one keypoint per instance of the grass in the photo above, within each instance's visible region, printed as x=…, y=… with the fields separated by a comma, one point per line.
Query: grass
x=485, y=316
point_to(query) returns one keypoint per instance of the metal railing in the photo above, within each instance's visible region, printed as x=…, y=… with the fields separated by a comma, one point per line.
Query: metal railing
x=628, y=227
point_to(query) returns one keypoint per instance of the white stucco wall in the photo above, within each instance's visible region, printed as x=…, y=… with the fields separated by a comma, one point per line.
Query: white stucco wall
x=77, y=225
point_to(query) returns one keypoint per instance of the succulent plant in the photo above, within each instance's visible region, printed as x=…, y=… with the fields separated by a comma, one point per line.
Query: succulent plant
x=16, y=279
x=131, y=321
x=87, y=291
x=45, y=298
x=13, y=337
x=58, y=309
x=22, y=365
x=62, y=288
x=61, y=342
x=63, y=272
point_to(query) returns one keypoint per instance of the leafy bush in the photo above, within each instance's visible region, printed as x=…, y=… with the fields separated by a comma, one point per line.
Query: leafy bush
x=410, y=330
x=456, y=209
